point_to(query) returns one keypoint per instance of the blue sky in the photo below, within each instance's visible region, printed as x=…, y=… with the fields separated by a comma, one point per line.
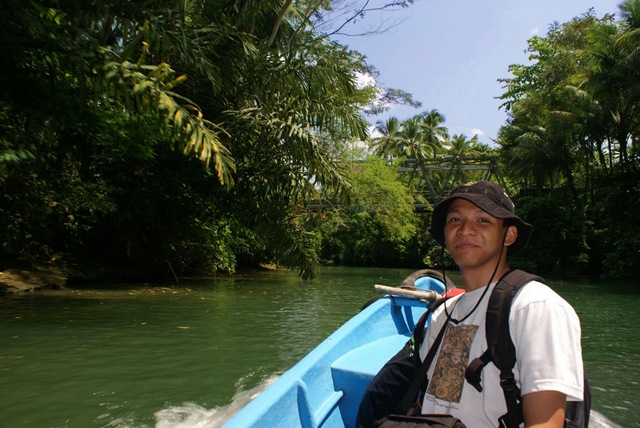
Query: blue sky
x=450, y=53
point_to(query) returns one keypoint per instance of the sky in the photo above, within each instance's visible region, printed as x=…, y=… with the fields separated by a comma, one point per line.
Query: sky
x=449, y=54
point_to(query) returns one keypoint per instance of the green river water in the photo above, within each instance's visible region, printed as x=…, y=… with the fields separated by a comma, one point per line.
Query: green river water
x=190, y=354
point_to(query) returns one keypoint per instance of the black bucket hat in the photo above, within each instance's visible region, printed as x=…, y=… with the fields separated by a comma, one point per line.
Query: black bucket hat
x=490, y=198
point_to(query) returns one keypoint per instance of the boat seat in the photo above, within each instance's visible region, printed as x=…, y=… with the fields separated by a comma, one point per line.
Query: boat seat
x=366, y=360
x=354, y=371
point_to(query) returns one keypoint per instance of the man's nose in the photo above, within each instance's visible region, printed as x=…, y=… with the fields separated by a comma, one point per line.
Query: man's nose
x=465, y=228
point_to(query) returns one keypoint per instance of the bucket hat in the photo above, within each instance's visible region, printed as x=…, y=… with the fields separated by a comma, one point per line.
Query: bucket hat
x=490, y=198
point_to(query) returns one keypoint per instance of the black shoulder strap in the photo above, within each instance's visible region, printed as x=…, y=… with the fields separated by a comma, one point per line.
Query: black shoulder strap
x=497, y=321
x=419, y=381
x=500, y=349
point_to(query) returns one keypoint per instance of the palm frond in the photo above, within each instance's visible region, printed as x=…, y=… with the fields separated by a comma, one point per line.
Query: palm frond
x=142, y=92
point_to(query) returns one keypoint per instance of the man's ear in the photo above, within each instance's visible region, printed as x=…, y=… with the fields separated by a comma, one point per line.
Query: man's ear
x=511, y=236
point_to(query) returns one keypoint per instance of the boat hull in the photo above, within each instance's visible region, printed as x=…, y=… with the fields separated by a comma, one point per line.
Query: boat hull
x=324, y=389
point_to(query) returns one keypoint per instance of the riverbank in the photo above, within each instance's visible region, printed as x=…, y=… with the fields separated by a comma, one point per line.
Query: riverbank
x=23, y=280
x=18, y=280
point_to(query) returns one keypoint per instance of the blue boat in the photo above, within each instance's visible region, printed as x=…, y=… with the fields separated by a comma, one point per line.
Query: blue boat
x=324, y=389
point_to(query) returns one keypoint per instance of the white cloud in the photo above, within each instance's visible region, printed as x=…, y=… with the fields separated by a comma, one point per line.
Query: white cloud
x=476, y=131
x=534, y=31
x=374, y=133
x=363, y=80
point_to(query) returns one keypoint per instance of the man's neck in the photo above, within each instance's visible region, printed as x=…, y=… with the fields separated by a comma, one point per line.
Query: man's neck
x=473, y=279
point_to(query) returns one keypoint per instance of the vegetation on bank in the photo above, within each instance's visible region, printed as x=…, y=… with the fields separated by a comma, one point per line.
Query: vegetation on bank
x=192, y=137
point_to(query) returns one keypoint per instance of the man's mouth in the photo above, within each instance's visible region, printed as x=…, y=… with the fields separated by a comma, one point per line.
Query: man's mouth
x=465, y=245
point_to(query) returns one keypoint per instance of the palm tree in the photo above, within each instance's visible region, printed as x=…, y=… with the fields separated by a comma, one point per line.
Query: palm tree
x=433, y=130
x=459, y=145
x=527, y=155
x=613, y=77
x=414, y=145
x=389, y=145
x=458, y=148
x=541, y=143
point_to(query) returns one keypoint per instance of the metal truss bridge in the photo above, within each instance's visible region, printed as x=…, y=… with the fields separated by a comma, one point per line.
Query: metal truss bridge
x=433, y=179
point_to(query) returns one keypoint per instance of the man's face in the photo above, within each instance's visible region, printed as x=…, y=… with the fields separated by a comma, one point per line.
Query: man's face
x=473, y=237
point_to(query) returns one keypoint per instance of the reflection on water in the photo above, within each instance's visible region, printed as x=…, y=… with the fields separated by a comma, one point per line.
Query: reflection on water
x=191, y=355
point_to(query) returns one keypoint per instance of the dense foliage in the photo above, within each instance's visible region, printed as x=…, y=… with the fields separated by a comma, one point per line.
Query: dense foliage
x=165, y=137
x=379, y=226
x=571, y=142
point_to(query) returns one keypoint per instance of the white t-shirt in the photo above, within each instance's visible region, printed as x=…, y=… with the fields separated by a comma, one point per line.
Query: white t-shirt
x=546, y=333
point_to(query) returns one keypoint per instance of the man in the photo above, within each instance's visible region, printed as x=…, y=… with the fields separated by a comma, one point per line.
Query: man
x=478, y=226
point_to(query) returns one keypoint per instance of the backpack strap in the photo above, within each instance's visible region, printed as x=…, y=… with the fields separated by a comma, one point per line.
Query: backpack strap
x=419, y=382
x=500, y=348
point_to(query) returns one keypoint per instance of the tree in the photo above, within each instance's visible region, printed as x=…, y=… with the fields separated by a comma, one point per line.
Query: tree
x=460, y=146
x=379, y=227
x=612, y=76
x=544, y=139
x=433, y=130
x=389, y=144
x=571, y=129
x=116, y=95
x=419, y=137
x=414, y=145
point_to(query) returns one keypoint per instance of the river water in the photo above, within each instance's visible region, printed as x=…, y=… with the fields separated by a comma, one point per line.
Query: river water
x=189, y=354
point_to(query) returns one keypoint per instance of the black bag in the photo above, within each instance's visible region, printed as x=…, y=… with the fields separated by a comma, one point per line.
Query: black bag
x=420, y=421
x=395, y=389
x=383, y=395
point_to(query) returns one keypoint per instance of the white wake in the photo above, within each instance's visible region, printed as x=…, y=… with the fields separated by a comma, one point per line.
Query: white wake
x=190, y=415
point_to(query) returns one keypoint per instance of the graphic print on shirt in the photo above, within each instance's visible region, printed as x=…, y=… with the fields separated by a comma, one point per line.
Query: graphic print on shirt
x=448, y=374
